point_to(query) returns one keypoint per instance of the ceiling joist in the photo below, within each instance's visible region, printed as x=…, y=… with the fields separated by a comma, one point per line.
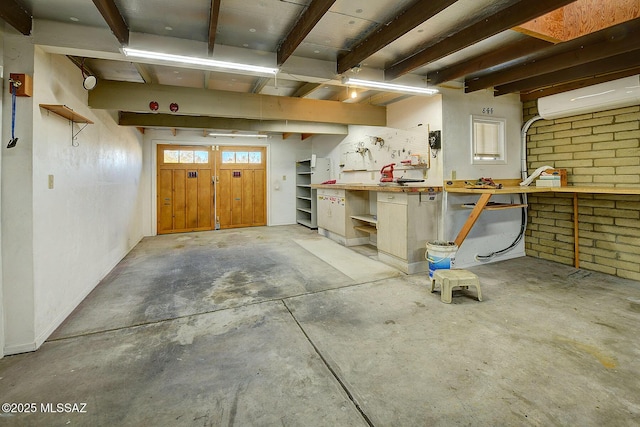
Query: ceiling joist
x=503, y=20
x=113, y=17
x=309, y=18
x=552, y=90
x=406, y=21
x=616, y=40
x=17, y=16
x=498, y=56
x=213, y=24
x=581, y=71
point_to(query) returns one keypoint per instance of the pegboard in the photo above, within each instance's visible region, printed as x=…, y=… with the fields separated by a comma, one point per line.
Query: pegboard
x=373, y=151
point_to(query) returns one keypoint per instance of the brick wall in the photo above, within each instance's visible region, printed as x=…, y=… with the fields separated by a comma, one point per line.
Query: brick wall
x=598, y=149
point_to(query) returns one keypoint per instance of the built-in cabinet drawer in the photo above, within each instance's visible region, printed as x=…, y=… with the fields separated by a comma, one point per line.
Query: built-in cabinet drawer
x=399, y=198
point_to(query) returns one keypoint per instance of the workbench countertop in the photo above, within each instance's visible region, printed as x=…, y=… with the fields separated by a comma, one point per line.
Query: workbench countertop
x=409, y=188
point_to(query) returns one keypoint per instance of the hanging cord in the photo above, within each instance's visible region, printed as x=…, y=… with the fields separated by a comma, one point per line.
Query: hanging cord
x=14, y=88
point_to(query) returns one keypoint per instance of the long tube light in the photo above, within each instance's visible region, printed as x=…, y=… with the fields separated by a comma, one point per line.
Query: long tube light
x=390, y=86
x=204, y=62
x=233, y=135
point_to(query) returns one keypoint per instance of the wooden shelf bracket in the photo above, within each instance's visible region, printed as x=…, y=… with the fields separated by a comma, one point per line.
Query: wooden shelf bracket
x=67, y=113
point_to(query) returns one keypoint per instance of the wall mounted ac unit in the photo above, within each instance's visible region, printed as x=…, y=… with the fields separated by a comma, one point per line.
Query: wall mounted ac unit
x=604, y=96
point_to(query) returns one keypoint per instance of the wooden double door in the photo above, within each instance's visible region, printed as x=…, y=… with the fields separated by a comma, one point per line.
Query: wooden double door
x=203, y=188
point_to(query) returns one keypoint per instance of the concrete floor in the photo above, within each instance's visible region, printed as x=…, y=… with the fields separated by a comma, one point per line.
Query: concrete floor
x=279, y=326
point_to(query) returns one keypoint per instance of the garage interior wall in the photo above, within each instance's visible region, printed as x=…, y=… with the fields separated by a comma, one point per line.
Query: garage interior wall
x=59, y=242
x=2, y=89
x=603, y=149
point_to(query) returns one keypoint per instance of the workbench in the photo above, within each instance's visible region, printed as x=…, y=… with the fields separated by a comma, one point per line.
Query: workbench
x=398, y=220
x=512, y=186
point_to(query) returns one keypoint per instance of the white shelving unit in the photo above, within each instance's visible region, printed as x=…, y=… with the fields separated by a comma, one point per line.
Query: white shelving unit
x=309, y=171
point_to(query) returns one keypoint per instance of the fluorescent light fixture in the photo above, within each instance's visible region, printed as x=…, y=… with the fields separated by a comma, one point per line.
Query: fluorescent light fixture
x=191, y=60
x=233, y=135
x=390, y=86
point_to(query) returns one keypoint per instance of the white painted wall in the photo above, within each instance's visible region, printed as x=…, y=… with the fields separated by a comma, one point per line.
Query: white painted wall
x=281, y=166
x=2, y=91
x=416, y=114
x=59, y=243
x=17, y=206
x=497, y=229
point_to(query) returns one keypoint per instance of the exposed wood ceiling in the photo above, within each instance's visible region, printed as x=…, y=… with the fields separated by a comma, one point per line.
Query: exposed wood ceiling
x=533, y=48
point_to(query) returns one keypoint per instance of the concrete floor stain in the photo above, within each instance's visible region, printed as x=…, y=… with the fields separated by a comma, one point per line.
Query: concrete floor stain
x=605, y=360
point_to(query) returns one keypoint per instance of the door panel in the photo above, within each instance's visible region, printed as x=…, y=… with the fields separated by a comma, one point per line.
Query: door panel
x=185, y=189
x=165, y=200
x=241, y=187
x=179, y=199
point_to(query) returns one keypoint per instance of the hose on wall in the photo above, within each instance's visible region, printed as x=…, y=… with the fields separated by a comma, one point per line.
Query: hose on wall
x=523, y=196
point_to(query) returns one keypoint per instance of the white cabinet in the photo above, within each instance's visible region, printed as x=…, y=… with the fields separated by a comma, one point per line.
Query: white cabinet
x=309, y=171
x=338, y=213
x=405, y=223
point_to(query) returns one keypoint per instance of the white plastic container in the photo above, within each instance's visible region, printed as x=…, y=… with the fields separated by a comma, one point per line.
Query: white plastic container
x=440, y=255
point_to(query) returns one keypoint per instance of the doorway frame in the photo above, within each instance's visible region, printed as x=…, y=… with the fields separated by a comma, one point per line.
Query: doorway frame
x=152, y=166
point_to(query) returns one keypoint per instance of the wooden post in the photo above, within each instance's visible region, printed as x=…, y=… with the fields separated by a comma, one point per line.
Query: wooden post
x=473, y=217
x=576, y=237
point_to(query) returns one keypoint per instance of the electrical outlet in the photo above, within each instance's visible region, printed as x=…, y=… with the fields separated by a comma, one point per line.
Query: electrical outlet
x=453, y=175
x=284, y=177
x=50, y=182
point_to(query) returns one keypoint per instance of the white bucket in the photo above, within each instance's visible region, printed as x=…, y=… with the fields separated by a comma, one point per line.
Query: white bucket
x=440, y=255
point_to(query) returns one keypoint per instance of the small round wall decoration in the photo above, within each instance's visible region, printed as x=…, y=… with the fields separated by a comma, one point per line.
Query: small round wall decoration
x=153, y=106
x=174, y=107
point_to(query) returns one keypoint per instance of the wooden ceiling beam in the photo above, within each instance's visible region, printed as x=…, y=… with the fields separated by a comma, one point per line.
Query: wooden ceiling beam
x=552, y=90
x=582, y=71
x=259, y=84
x=128, y=96
x=606, y=43
x=161, y=120
x=114, y=19
x=213, y=24
x=305, y=89
x=14, y=14
x=404, y=22
x=503, y=20
x=309, y=18
x=500, y=55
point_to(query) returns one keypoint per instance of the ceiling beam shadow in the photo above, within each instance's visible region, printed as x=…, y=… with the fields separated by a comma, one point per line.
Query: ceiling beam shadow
x=581, y=71
x=213, y=24
x=14, y=14
x=609, y=42
x=384, y=34
x=309, y=18
x=500, y=55
x=502, y=20
x=114, y=19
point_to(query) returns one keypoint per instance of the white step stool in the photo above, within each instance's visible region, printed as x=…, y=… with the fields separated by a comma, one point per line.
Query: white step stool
x=448, y=279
